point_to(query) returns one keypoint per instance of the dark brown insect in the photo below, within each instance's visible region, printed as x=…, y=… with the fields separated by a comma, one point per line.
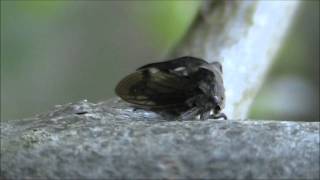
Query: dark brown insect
x=187, y=86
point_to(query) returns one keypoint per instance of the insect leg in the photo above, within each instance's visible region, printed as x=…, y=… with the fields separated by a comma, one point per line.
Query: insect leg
x=205, y=115
x=188, y=115
x=220, y=115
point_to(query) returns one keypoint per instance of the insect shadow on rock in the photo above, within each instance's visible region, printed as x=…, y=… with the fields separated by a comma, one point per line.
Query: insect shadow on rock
x=184, y=87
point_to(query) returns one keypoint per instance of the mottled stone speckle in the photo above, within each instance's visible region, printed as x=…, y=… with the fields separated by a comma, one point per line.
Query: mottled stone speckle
x=112, y=140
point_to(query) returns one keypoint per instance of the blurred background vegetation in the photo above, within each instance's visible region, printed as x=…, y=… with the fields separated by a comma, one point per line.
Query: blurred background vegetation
x=55, y=52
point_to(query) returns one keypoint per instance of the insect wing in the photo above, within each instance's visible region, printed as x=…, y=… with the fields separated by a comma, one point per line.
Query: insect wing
x=154, y=89
x=175, y=63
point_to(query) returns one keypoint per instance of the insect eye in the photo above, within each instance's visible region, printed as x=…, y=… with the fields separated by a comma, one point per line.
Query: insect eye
x=215, y=99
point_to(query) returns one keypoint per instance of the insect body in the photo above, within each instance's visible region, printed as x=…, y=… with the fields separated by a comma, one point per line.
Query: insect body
x=187, y=86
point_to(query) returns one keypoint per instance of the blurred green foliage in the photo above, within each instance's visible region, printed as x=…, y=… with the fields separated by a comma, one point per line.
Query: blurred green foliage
x=167, y=27
x=54, y=52
x=44, y=9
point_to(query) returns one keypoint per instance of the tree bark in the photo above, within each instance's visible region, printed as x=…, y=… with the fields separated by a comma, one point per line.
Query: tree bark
x=245, y=37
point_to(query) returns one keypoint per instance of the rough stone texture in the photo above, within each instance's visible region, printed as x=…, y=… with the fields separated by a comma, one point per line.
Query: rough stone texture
x=114, y=141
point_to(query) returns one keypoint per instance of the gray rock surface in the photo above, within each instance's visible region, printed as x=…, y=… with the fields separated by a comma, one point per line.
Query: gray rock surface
x=112, y=140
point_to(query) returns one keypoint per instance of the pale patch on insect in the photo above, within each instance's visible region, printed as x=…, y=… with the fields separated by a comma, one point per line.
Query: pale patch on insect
x=181, y=70
x=211, y=112
x=140, y=97
x=153, y=70
x=149, y=103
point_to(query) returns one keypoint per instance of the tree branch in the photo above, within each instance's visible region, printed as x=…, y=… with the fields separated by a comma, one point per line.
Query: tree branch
x=244, y=36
